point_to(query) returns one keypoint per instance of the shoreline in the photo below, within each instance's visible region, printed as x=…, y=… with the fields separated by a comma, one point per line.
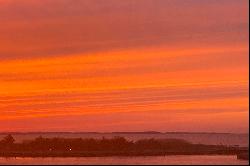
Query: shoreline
x=34, y=156
x=106, y=154
x=117, y=146
x=27, y=154
x=123, y=160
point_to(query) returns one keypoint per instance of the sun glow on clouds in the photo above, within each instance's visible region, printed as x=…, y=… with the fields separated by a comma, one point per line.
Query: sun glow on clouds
x=116, y=82
x=117, y=78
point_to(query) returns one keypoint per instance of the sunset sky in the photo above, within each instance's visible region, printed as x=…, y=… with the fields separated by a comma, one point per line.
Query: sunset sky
x=124, y=65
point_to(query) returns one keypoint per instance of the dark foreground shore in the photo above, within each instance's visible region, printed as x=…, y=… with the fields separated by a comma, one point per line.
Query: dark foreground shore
x=240, y=155
x=117, y=146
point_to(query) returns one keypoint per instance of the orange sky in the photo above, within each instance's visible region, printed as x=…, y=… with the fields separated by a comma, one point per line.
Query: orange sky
x=115, y=65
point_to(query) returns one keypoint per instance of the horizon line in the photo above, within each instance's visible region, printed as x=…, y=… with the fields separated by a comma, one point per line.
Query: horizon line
x=118, y=132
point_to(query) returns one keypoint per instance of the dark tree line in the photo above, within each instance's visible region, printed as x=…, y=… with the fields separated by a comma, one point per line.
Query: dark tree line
x=116, y=144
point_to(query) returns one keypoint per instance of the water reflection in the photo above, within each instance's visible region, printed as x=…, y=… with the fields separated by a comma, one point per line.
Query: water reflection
x=156, y=160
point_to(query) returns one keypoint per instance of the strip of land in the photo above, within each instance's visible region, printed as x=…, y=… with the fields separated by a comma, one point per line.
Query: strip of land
x=117, y=146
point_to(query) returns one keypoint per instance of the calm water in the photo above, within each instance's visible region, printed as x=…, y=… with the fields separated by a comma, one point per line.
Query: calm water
x=213, y=139
x=166, y=160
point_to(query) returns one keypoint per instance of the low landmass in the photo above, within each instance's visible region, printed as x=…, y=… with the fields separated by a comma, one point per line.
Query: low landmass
x=117, y=146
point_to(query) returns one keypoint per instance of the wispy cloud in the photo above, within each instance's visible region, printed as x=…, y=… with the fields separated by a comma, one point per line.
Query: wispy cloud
x=145, y=65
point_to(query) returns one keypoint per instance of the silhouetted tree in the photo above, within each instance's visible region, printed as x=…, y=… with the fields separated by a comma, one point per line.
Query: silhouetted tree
x=8, y=140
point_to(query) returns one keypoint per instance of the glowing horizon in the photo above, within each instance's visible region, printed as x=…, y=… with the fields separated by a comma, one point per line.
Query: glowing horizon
x=151, y=65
